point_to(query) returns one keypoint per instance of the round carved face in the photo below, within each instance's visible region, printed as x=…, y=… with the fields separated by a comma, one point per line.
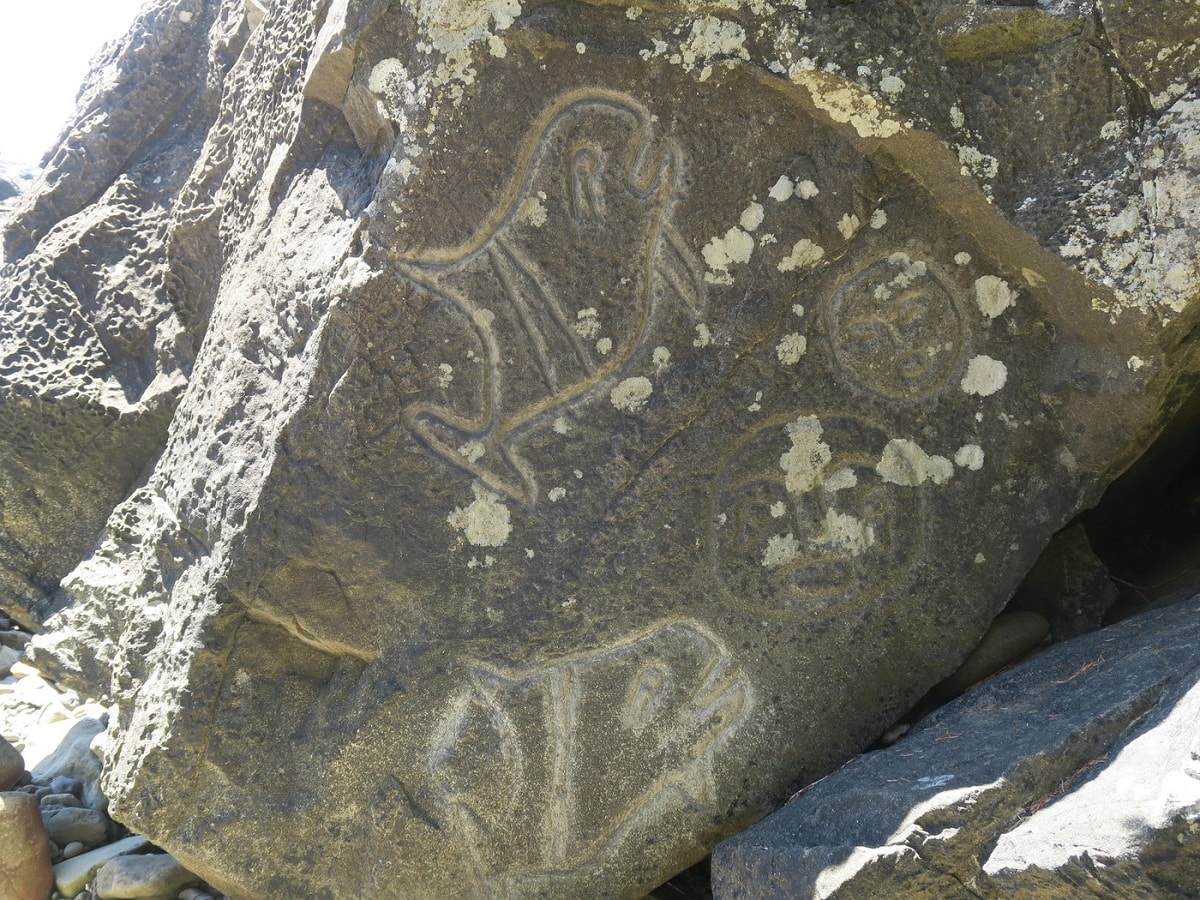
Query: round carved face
x=895, y=329
x=802, y=522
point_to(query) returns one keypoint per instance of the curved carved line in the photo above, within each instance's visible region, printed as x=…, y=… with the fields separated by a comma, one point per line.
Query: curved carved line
x=525, y=168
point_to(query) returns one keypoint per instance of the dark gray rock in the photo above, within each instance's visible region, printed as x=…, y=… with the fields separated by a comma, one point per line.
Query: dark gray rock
x=65, y=824
x=1074, y=774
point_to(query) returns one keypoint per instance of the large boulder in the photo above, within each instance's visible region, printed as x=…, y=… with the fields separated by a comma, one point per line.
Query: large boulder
x=1075, y=774
x=590, y=398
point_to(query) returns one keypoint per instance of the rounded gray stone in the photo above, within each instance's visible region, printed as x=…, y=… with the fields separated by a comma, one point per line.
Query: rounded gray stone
x=12, y=765
x=67, y=824
x=151, y=875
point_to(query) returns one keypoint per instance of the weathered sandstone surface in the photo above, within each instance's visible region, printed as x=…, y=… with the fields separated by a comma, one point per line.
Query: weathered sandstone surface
x=503, y=448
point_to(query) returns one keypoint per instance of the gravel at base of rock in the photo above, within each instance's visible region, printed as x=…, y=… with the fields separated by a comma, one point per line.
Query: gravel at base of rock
x=73, y=875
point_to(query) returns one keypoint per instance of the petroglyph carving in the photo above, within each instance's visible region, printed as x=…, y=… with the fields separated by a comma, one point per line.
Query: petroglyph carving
x=801, y=522
x=581, y=243
x=558, y=766
x=896, y=329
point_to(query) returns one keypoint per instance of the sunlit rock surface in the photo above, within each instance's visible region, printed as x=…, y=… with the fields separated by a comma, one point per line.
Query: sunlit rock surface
x=1073, y=774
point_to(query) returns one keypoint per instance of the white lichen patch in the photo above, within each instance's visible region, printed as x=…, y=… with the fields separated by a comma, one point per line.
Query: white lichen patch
x=581, y=48
x=556, y=494
x=892, y=86
x=781, y=550
x=453, y=25
x=587, y=323
x=472, y=451
x=752, y=216
x=712, y=37
x=797, y=309
x=878, y=219
x=756, y=406
x=631, y=394
x=848, y=225
x=984, y=376
x=533, y=212
x=848, y=104
x=804, y=464
x=445, y=375
x=805, y=254
x=807, y=189
x=604, y=346
x=994, y=295
x=844, y=532
x=962, y=258
x=910, y=270
x=484, y=523
x=791, y=348
x=633, y=13
x=736, y=246
x=389, y=81
x=903, y=462
x=977, y=164
x=778, y=509
x=782, y=189
x=969, y=456
x=561, y=425
x=661, y=359
x=483, y=317
x=497, y=47
x=841, y=480
x=703, y=336
x=1134, y=363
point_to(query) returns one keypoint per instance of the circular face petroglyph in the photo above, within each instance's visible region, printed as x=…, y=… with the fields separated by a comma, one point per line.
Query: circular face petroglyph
x=896, y=330
x=802, y=523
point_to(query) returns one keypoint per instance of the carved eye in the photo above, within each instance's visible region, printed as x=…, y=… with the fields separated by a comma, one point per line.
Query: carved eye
x=647, y=692
x=911, y=314
x=585, y=189
x=867, y=337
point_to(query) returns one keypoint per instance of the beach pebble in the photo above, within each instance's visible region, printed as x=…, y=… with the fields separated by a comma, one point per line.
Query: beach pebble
x=12, y=766
x=66, y=824
x=63, y=800
x=8, y=656
x=65, y=785
x=151, y=875
x=72, y=875
x=14, y=639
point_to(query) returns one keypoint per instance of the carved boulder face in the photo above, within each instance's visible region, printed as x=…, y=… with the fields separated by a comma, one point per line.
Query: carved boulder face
x=650, y=440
